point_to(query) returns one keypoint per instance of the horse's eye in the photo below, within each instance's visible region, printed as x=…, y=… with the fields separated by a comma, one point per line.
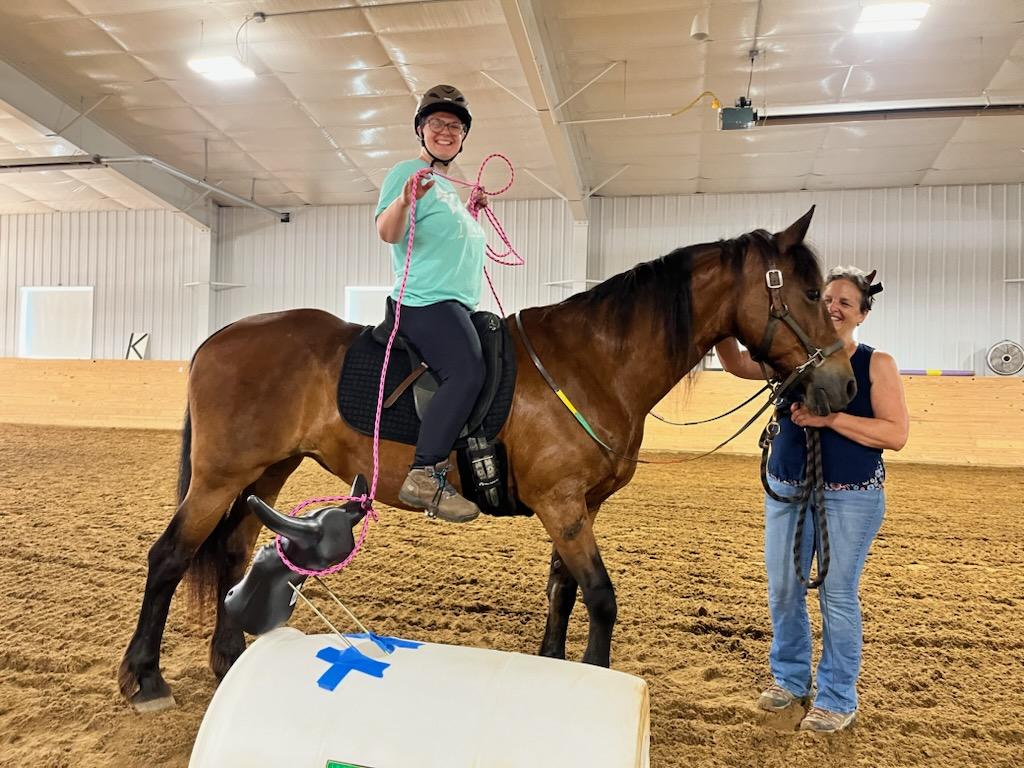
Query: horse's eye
x=814, y=295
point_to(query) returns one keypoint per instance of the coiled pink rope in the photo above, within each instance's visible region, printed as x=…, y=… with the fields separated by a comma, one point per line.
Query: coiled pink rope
x=366, y=500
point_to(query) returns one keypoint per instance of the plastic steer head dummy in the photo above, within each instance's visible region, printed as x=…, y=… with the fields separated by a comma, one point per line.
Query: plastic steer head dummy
x=263, y=600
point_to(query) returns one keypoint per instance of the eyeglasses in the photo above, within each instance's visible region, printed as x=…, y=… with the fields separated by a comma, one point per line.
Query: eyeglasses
x=437, y=125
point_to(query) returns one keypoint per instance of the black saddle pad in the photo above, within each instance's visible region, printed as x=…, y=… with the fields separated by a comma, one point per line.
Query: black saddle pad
x=360, y=378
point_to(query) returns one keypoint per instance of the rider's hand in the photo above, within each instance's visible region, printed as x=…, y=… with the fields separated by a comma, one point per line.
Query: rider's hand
x=420, y=190
x=477, y=199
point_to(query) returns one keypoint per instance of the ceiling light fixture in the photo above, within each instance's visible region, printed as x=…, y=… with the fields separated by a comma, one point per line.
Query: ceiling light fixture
x=854, y=112
x=891, y=17
x=220, y=68
x=699, y=28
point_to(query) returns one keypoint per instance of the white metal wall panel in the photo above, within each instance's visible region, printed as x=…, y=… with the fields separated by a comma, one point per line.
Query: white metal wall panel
x=541, y=231
x=309, y=261
x=304, y=263
x=943, y=254
x=138, y=262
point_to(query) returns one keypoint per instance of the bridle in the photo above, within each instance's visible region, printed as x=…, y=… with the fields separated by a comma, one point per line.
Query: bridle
x=778, y=312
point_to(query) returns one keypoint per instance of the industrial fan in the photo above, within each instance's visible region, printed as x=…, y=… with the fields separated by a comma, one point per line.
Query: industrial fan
x=1005, y=358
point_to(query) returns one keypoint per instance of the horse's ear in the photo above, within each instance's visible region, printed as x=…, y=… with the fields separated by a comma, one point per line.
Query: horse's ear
x=794, y=234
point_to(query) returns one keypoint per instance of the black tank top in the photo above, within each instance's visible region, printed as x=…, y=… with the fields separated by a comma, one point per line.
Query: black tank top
x=844, y=461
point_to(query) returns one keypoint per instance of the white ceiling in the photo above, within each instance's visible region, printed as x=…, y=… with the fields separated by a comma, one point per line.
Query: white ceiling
x=352, y=77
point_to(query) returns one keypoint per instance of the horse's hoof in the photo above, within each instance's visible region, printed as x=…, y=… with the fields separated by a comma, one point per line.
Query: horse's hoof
x=153, y=704
x=152, y=695
x=222, y=661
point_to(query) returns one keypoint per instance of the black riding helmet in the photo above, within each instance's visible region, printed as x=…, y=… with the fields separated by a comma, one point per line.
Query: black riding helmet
x=442, y=98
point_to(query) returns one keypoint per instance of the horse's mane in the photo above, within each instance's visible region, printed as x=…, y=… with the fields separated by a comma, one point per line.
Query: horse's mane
x=665, y=284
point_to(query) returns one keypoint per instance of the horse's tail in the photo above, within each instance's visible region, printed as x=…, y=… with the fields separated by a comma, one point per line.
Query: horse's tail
x=210, y=564
x=185, y=461
x=201, y=576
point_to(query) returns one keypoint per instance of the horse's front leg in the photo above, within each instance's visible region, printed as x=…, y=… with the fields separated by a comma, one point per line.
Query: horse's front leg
x=561, y=600
x=571, y=530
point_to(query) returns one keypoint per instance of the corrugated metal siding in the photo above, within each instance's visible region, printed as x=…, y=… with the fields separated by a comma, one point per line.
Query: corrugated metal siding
x=309, y=261
x=943, y=254
x=541, y=232
x=137, y=261
x=305, y=263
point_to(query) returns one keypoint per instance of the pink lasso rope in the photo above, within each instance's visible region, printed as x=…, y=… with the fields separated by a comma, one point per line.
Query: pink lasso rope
x=366, y=500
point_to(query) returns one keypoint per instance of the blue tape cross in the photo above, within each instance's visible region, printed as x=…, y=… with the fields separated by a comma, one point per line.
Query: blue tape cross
x=343, y=662
x=386, y=644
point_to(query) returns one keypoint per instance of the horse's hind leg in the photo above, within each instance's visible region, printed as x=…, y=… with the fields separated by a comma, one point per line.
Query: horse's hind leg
x=237, y=533
x=198, y=514
x=561, y=600
x=571, y=530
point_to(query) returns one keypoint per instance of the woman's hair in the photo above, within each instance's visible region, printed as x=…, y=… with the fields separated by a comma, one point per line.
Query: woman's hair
x=863, y=280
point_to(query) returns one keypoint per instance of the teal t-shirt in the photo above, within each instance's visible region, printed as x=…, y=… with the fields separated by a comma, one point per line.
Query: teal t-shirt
x=448, y=250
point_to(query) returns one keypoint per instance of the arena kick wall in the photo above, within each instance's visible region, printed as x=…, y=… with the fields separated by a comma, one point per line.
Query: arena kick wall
x=954, y=420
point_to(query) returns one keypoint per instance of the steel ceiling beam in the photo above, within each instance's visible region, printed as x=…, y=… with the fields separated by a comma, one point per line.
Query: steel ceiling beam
x=529, y=35
x=80, y=162
x=46, y=113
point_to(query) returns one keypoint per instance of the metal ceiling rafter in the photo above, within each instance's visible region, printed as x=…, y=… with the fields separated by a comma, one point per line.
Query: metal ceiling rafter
x=170, y=83
x=86, y=162
x=42, y=109
x=531, y=42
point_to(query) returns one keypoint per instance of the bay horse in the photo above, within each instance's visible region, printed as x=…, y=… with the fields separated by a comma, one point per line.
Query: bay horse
x=262, y=396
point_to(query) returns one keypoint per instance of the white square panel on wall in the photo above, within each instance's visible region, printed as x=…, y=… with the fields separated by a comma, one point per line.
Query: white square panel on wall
x=55, y=322
x=364, y=304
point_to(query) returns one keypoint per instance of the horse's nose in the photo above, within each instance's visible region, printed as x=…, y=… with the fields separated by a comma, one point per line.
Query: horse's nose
x=851, y=388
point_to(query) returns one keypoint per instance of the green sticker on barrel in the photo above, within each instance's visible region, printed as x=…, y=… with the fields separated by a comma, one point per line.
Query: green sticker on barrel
x=336, y=764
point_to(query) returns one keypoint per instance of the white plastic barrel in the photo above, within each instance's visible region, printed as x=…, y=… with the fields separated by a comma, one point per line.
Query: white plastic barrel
x=437, y=706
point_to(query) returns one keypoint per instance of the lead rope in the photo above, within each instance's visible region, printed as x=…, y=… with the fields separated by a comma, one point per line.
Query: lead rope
x=812, y=494
x=366, y=500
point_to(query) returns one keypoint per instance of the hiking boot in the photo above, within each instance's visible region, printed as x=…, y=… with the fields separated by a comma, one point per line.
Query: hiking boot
x=428, y=488
x=821, y=720
x=775, y=698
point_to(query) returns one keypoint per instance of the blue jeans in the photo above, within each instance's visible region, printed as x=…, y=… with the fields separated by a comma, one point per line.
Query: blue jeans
x=854, y=518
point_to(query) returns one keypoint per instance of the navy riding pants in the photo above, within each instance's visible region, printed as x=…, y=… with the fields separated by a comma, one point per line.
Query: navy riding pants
x=445, y=337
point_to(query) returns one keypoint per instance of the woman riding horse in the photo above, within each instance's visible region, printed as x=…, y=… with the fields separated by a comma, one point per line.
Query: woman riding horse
x=615, y=350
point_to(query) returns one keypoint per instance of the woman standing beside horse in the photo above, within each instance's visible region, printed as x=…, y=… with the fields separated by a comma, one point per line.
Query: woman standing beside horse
x=852, y=441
